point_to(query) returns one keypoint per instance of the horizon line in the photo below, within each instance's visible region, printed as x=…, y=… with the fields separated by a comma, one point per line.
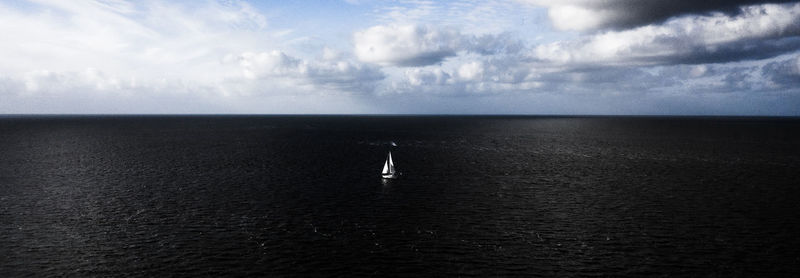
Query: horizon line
x=398, y=115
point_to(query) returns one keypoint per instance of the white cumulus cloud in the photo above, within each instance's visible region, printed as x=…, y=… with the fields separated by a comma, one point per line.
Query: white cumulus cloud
x=422, y=45
x=406, y=45
x=327, y=74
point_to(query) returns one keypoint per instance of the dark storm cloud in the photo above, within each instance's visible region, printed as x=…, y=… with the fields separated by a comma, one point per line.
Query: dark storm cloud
x=634, y=13
x=624, y=14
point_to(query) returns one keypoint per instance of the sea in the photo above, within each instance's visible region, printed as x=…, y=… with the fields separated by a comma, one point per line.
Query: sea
x=480, y=196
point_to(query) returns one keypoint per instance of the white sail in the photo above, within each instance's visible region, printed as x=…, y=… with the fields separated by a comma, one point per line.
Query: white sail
x=391, y=163
x=385, y=167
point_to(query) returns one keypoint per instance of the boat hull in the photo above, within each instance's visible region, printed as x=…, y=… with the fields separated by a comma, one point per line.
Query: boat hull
x=389, y=176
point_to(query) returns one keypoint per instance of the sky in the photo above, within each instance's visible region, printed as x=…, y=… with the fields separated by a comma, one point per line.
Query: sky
x=570, y=57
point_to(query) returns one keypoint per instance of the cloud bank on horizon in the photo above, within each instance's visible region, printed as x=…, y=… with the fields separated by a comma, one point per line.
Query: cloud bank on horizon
x=526, y=56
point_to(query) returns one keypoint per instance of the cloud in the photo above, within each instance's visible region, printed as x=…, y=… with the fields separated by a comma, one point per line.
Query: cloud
x=92, y=82
x=669, y=58
x=470, y=75
x=461, y=56
x=144, y=41
x=48, y=82
x=330, y=73
x=410, y=11
x=783, y=74
x=757, y=32
x=420, y=45
x=158, y=49
x=471, y=71
x=623, y=14
x=420, y=77
x=407, y=45
x=467, y=15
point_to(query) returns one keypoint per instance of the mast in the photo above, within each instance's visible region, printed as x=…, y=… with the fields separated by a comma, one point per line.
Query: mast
x=391, y=163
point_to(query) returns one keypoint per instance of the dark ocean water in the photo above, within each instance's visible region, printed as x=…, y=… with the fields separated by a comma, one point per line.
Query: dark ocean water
x=480, y=196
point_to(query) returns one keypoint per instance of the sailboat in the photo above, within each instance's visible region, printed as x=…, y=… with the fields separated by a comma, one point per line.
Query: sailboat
x=388, y=171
